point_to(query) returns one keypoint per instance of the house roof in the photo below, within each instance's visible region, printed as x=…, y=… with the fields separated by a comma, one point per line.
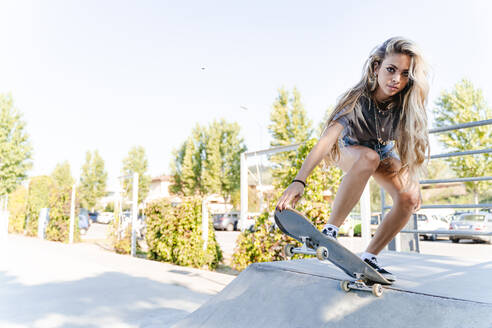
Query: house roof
x=162, y=178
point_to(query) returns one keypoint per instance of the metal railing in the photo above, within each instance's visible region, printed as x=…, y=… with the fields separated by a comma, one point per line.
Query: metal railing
x=435, y=181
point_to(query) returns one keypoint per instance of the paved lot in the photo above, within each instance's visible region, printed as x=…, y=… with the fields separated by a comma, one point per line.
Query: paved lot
x=47, y=284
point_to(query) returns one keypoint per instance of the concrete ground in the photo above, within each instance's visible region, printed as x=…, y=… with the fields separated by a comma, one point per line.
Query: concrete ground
x=47, y=284
x=430, y=291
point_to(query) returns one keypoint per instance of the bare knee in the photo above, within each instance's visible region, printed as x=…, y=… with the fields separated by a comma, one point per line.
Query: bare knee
x=367, y=161
x=408, y=201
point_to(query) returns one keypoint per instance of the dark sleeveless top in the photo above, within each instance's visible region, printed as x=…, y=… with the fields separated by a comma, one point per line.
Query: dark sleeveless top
x=364, y=129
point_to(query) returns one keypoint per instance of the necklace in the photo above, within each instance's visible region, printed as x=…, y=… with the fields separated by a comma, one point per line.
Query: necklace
x=378, y=134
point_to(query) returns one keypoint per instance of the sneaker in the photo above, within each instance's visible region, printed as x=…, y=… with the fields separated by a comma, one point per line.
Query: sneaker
x=329, y=232
x=373, y=262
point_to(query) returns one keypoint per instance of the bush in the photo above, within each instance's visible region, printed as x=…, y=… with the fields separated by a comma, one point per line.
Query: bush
x=121, y=236
x=58, y=228
x=174, y=234
x=40, y=189
x=122, y=241
x=17, y=209
x=266, y=244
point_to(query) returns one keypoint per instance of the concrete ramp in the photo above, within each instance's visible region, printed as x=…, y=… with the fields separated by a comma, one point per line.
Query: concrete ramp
x=431, y=291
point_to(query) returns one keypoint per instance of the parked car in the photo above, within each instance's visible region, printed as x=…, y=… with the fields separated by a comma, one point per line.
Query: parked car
x=105, y=217
x=251, y=221
x=93, y=216
x=427, y=221
x=353, y=225
x=226, y=221
x=472, y=222
x=84, y=221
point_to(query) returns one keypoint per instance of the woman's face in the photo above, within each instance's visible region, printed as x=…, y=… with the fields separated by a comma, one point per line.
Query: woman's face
x=392, y=75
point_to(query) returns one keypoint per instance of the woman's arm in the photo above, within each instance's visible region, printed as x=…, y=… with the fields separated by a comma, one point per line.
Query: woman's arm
x=322, y=148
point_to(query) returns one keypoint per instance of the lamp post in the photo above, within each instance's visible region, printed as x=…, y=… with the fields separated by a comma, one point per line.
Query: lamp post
x=260, y=186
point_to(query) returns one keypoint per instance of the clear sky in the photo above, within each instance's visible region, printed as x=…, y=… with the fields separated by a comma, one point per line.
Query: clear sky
x=108, y=75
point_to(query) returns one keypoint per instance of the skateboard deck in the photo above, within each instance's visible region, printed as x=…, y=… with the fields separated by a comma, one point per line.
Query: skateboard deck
x=294, y=224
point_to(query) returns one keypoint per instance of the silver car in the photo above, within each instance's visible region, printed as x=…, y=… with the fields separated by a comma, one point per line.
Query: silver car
x=227, y=221
x=472, y=222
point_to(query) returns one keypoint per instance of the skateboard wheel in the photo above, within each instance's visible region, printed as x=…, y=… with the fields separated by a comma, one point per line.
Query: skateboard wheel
x=289, y=250
x=322, y=253
x=345, y=285
x=377, y=290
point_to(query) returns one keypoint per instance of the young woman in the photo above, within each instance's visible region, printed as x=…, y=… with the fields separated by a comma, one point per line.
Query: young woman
x=379, y=129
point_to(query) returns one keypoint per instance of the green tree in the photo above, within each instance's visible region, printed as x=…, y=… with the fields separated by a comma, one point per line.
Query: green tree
x=93, y=180
x=289, y=125
x=231, y=145
x=184, y=170
x=15, y=147
x=62, y=175
x=136, y=162
x=211, y=174
x=209, y=161
x=266, y=244
x=466, y=104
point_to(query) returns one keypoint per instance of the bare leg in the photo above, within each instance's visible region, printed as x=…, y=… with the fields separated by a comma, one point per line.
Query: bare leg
x=404, y=204
x=360, y=163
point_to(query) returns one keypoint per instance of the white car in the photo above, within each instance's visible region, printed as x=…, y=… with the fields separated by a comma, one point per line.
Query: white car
x=472, y=222
x=105, y=217
x=431, y=222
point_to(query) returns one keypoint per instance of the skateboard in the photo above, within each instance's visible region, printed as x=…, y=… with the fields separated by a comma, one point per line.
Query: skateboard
x=294, y=224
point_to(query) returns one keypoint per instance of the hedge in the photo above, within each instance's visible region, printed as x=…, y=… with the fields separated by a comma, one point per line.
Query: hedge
x=174, y=234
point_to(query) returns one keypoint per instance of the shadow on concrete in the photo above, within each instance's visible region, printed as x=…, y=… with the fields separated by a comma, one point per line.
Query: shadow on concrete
x=432, y=291
x=110, y=299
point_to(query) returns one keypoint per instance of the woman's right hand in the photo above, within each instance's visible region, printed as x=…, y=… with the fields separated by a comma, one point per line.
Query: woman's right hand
x=290, y=196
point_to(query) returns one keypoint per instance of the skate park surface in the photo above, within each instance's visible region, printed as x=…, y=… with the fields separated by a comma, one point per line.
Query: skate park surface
x=430, y=291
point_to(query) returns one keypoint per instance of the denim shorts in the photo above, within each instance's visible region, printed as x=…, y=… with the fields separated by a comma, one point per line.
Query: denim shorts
x=384, y=151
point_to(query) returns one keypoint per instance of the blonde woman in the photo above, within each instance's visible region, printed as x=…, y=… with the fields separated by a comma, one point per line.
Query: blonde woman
x=378, y=129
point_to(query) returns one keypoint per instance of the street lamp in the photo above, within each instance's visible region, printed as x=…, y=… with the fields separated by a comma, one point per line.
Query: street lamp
x=260, y=186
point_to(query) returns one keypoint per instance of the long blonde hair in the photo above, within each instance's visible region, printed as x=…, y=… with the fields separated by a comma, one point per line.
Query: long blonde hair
x=412, y=138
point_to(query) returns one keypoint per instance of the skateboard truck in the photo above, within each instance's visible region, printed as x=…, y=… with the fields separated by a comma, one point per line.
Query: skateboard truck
x=320, y=252
x=362, y=283
x=290, y=250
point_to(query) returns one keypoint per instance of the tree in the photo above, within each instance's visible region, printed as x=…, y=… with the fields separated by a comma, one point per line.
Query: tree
x=93, y=180
x=209, y=161
x=289, y=125
x=136, y=162
x=212, y=162
x=231, y=145
x=62, y=175
x=466, y=104
x=15, y=147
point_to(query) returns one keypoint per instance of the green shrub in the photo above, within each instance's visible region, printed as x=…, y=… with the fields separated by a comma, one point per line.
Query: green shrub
x=121, y=237
x=266, y=244
x=58, y=228
x=174, y=234
x=17, y=209
x=357, y=229
x=122, y=243
x=40, y=189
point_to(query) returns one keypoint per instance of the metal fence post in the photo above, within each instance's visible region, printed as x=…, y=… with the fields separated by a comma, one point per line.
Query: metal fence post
x=135, y=214
x=72, y=216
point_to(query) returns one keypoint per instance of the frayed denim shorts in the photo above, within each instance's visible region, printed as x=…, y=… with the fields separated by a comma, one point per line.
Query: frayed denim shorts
x=384, y=151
